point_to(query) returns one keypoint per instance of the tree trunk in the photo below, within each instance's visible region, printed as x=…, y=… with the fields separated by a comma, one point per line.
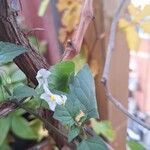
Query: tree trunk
x=29, y=62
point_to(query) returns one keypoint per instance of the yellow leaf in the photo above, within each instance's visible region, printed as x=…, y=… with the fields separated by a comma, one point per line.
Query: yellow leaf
x=146, y=26
x=131, y=33
x=63, y=4
x=123, y=24
x=62, y=35
x=71, y=10
x=134, y=11
x=79, y=116
x=132, y=38
x=144, y=13
x=137, y=13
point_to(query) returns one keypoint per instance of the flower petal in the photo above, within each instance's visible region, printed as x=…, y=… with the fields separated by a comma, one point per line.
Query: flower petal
x=59, y=100
x=64, y=97
x=45, y=97
x=52, y=105
x=46, y=89
x=42, y=77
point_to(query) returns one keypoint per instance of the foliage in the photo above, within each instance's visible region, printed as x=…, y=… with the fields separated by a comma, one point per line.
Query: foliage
x=9, y=51
x=14, y=79
x=23, y=91
x=21, y=128
x=104, y=128
x=133, y=145
x=4, y=128
x=70, y=17
x=60, y=75
x=79, y=107
x=91, y=144
x=81, y=102
x=18, y=125
x=131, y=27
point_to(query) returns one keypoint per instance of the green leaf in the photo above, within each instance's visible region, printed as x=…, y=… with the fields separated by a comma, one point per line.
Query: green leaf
x=4, y=128
x=9, y=51
x=104, y=128
x=37, y=127
x=5, y=147
x=63, y=115
x=92, y=144
x=23, y=91
x=21, y=128
x=83, y=88
x=74, y=131
x=81, y=101
x=60, y=75
x=67, y=114
x=135, y=145
x=18, y=76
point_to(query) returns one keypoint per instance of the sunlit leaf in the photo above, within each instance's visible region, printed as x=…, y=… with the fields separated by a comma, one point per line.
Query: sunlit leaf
x=37, y=127
x=132, y=38
x=138, y=14
x=144, y=13
x=123, y=24
x=134, y=12
x=131, y=33
x=133, y=145
x=71, y=11
x=104, y=128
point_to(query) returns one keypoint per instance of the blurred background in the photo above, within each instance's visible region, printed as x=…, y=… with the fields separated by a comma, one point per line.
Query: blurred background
x=49, y=24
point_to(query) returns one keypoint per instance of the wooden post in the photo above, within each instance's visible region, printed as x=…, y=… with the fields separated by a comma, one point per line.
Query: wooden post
x=118, y=78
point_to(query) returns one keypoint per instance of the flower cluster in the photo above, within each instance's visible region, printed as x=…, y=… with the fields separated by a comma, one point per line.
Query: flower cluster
x=48, y=96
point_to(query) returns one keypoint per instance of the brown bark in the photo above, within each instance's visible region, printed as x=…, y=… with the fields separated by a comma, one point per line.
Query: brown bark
x=29, y=62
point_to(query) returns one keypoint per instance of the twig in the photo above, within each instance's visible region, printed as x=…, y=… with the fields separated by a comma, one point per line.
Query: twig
x=104, y=79
x=41, y=118
x=122, y=108
x=46, y=122
x=112, y=41
x=86, y=17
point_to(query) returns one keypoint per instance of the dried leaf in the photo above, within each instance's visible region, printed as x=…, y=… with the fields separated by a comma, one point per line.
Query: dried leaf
x=131, y=34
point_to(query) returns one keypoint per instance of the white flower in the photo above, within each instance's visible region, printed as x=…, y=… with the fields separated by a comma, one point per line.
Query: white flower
x=53, y=99
x=42, y=77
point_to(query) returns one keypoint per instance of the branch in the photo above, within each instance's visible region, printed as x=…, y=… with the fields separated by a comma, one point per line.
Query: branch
x=122, y=108
x=105, y=75
x=12, y=105
x=73, y=47
x=51, y=127
x=29, y=62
